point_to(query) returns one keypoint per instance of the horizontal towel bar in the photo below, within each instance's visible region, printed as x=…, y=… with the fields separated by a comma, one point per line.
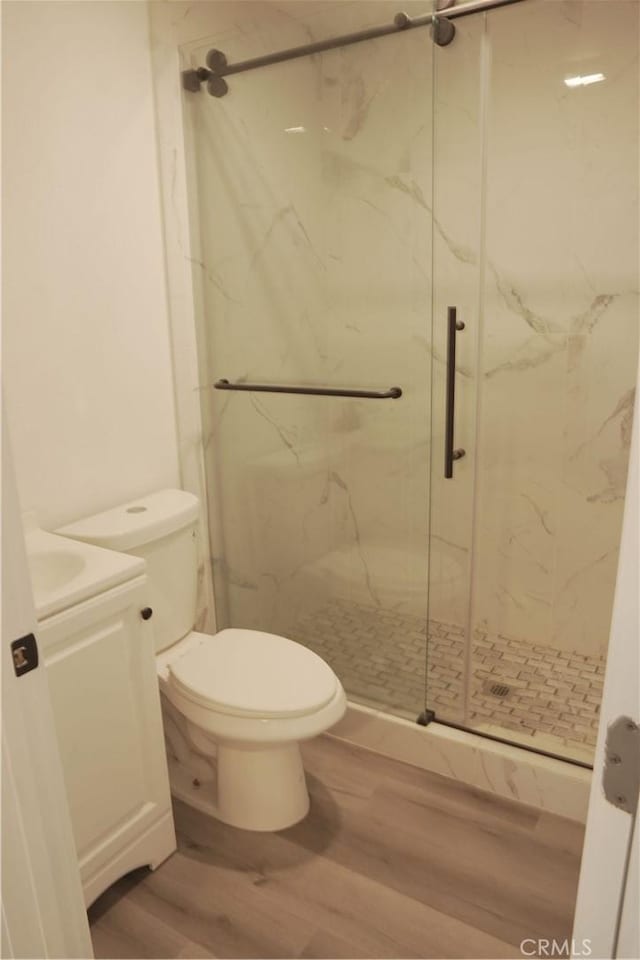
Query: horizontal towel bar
x=391, y=394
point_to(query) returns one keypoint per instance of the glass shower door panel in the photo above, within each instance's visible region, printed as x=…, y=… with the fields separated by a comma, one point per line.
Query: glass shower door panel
x=313, y=204
x=558, y=364
x=536, y=243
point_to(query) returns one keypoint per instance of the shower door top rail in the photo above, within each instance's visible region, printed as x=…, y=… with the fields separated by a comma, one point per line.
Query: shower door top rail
x=443, y=33
x=393, y=393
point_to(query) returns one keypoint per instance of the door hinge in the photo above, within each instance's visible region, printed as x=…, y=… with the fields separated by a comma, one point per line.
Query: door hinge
x=621, y=774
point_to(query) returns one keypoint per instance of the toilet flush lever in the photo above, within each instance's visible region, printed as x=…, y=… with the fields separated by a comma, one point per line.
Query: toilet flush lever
x=146, y=613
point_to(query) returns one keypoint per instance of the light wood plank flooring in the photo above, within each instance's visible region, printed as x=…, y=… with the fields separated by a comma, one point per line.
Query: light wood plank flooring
x=391, y=862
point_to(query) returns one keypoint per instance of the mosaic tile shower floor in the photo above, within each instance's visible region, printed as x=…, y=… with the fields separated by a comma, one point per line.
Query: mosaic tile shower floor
x=380, y=658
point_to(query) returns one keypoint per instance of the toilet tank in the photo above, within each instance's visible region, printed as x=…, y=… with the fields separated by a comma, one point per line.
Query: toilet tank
x=162, y=529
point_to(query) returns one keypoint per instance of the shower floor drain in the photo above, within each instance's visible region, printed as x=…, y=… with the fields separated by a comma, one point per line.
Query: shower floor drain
x=500, y=690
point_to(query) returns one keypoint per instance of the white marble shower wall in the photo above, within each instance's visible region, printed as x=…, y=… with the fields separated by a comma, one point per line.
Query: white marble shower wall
x=559, y=330
x=314, y=252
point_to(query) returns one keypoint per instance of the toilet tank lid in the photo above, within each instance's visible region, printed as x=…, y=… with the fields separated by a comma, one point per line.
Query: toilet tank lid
x=137, y=522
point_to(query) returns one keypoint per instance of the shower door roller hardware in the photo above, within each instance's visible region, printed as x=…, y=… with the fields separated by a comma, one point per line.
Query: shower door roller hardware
x=442, y=31
x=146, y=613
x=450, y=454
x=25, y=654
x=621, y=774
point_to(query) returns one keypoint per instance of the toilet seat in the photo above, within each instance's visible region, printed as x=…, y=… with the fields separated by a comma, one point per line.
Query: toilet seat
x=248, y=673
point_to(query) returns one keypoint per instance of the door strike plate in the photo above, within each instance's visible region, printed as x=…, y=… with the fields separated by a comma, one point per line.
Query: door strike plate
x=25, y=654
x=621, y=774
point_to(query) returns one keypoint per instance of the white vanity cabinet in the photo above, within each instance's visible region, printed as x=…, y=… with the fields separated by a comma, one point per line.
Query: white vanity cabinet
x=100, y=663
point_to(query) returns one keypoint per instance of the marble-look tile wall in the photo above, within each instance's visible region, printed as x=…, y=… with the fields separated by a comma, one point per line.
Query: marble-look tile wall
x=559, y=325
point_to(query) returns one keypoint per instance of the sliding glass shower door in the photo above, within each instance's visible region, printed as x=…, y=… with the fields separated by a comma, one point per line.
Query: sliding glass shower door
x=312, y=217
x=447, y=541
x=536, y=244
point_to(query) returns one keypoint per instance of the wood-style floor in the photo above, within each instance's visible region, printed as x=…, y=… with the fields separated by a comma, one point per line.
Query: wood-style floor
x=391, y=862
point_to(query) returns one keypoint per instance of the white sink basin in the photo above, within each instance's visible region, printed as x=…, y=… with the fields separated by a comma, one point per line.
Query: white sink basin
x=65, y=572
x=52, y=569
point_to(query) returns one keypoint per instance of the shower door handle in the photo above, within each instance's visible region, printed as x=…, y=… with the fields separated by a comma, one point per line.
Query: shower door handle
x=451, y=454
x=391, y=394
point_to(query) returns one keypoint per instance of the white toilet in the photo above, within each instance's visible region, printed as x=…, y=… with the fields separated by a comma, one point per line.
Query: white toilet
x=245, y=697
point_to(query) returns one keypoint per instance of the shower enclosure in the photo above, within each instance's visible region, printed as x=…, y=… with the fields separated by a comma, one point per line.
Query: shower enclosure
x=417, y=280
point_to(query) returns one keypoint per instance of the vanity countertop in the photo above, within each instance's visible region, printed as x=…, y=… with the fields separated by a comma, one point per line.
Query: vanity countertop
x=65, y=572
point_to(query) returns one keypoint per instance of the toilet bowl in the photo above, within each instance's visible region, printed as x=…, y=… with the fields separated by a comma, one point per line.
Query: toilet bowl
x=248, y=699
x=242, y=698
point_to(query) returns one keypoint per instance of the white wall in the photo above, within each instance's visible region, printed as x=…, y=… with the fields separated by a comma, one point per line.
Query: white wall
x=86, y=359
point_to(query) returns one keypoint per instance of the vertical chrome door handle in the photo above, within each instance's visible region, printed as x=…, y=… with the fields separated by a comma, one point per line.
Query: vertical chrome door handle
x=451, y=454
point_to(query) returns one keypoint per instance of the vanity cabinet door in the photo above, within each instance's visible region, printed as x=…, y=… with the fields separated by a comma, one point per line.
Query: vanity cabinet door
x=100, y=664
